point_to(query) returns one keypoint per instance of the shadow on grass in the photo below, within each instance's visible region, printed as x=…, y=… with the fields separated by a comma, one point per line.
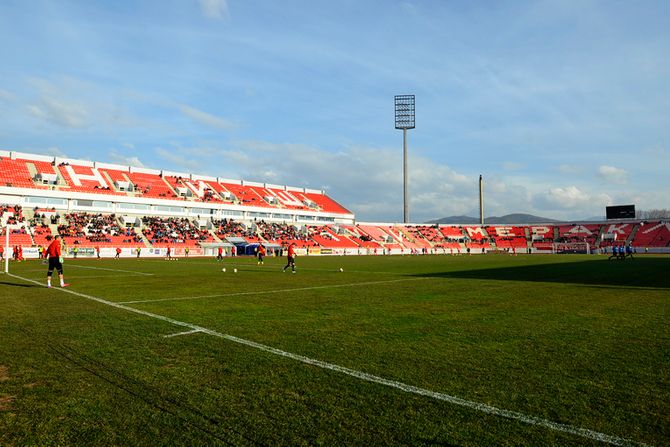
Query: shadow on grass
x=5, y=283
x=650, y=273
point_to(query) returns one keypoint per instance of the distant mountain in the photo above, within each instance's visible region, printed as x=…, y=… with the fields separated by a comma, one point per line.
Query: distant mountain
x=455, y=220
x=593, y=219
x=509, y=219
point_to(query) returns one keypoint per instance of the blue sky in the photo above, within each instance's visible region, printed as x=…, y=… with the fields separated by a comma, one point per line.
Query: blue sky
x=563, y=106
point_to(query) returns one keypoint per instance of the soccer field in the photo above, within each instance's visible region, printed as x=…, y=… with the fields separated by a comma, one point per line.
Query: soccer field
x=414, y=350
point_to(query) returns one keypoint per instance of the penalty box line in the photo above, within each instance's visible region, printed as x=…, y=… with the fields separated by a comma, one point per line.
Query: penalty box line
x=477, y=406
x=266, y=292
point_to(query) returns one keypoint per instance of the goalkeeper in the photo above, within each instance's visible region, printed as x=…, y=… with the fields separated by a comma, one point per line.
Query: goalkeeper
x=55, y=261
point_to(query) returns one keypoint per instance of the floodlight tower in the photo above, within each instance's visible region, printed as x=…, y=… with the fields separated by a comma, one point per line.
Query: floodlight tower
x=481, y=200
x=404, y=119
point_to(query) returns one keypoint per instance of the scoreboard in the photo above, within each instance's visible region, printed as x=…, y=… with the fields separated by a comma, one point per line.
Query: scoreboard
x=621, y=212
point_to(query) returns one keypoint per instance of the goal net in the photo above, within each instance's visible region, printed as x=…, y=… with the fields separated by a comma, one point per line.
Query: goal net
x=570, y=248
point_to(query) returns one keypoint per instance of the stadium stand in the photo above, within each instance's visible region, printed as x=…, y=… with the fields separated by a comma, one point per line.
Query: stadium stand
x=228, y=228
x=579, y=233
x=360, y=237
x=65, y=196
x=15, y=173
x=476, y=233
x=652, y=234
x=84, y=179
x=168, y=231
x=542, y=237
x=151, y=185
x=616, y=234
x=453, y=233
x=89, y=230
x=284, y=234
x=375, y=233
x=326, y=237
x=508, y=237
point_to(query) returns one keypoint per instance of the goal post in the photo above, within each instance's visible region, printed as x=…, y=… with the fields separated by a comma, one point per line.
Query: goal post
x=5, y=241
x=571, y=248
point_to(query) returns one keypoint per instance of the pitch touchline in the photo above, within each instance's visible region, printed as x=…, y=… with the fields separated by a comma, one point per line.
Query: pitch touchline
x=109, y=270
x=484, y=408
x=252, y=263
x=265, y=292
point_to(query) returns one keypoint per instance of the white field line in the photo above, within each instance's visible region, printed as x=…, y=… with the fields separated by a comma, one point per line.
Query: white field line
x=477, y=406
x=251, y=263
x=266, y=292
x=194, y=331
x=109, y=270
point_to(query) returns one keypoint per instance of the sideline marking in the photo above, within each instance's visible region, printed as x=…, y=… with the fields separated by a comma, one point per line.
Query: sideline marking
x=484, y=408
x=194, y=331
x=252, y=265
x=109, y=270
x=266, y=292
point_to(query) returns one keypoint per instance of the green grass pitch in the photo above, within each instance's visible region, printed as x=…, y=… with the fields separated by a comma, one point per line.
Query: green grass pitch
x=414, y=350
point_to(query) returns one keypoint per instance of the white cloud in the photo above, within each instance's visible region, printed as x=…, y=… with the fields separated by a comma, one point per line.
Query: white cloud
x=78, y=104
x=214, y=9
x=569, y=169
x=181, y=158
x=206, y=118
x=5, y=95
x=125, y=160
x=512, y=166
x=368, y=181
x=571, y=198
x=612, y=174
x=59, y=111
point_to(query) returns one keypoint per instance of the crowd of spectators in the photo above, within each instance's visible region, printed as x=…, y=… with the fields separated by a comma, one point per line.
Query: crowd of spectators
x=96, y=228
x=16, y=213
x=230, y=228
x=279, y=232
x=173, y=230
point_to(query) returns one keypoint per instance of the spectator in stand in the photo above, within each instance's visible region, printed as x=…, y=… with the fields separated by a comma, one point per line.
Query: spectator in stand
x=55, y=261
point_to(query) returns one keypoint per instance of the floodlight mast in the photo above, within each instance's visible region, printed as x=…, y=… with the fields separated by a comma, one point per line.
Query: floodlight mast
x=405, y=119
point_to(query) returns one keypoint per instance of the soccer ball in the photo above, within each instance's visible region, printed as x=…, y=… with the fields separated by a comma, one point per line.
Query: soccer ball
x=223, y=270
x=234, y=270
x=341, y=269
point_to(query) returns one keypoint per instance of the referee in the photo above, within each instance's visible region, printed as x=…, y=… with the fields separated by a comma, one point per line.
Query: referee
x=53, y=252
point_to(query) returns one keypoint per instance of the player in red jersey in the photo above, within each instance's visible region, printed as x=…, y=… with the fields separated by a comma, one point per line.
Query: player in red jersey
x=260, y=253
x=290, y=258
x=53, y=252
